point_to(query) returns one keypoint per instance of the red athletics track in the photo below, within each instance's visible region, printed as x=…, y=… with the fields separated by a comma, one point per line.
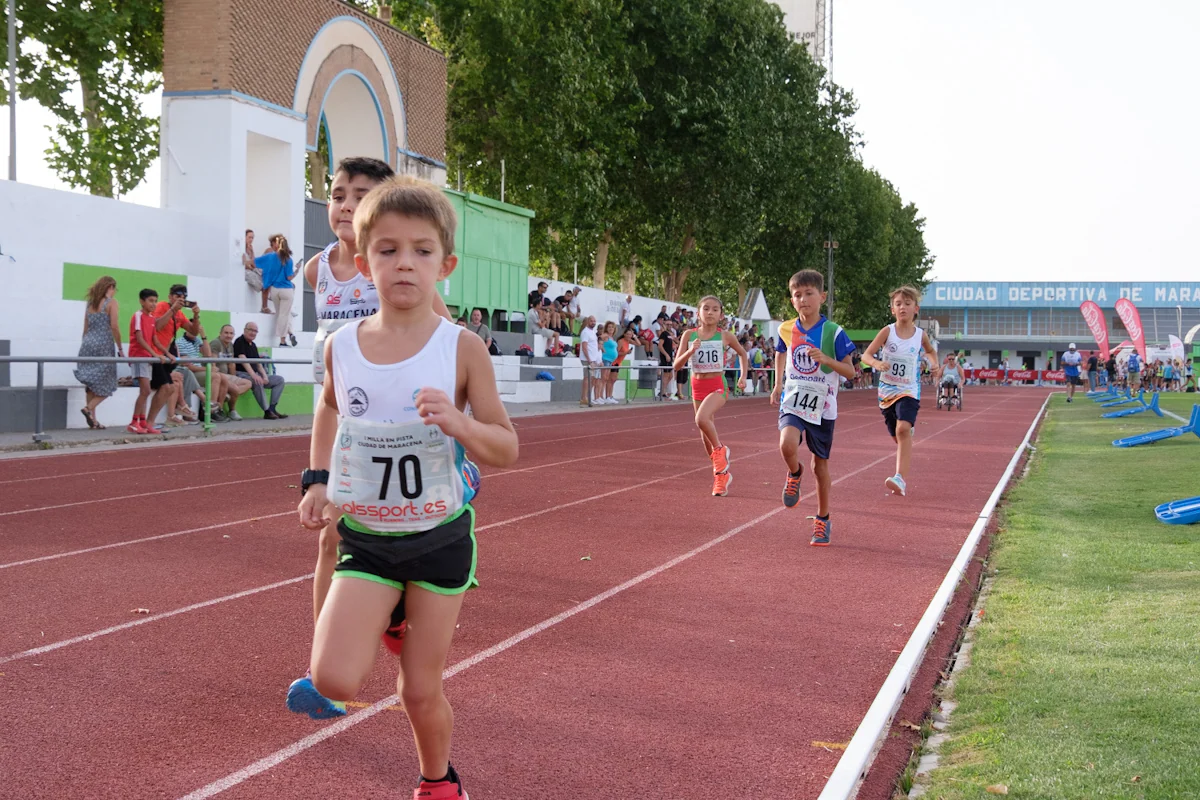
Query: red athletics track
x=728, y=648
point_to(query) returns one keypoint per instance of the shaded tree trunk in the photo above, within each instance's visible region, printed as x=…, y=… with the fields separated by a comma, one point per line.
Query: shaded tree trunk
x=100, y=179
x=673, y=282
x=317, y=175
x=601, y=262
x=629, y=275
x=674, y=279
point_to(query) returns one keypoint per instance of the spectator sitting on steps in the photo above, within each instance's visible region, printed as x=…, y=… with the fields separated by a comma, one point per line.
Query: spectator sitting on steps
x=477, y=327
x=191, y=346
x=244, y=347
x=238, y=385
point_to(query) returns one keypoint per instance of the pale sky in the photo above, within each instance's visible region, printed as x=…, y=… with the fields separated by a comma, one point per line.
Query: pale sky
x=1045, y=139
x=1041, y=139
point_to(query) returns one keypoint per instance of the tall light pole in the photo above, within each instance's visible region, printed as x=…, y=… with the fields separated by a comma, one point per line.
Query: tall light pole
x=830, y=246
x=12, y=90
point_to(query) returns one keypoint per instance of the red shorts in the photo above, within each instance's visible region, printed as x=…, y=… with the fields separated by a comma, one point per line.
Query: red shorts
x=706, y=383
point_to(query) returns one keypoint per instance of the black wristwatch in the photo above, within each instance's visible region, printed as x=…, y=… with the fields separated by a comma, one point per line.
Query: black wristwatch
x=311, y=476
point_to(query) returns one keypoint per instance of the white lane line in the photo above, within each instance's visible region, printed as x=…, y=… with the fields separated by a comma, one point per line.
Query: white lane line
x=146, y=494
x=215, y=601
x=285, y=513
x=145, y=539
x=333, y=729
x=150, y=466
x=294, y=749
x=37, y=651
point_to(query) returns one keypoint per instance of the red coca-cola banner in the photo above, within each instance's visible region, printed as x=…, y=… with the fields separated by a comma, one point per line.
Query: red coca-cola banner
x=1132, y=320
x=1017, y=374
x=1094, y=318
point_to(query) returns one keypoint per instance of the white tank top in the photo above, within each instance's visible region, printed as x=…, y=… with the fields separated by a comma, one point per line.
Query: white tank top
x=390, y=472
x=902, y=378
x=337, y=302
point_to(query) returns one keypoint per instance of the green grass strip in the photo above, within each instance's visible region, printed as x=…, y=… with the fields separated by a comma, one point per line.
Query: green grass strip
x=1085, y=675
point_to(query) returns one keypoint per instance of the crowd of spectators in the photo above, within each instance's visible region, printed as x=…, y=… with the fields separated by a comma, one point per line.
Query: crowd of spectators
x=174, y=382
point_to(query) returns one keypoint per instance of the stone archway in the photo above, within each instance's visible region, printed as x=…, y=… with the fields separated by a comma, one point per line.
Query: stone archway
x=346, y=86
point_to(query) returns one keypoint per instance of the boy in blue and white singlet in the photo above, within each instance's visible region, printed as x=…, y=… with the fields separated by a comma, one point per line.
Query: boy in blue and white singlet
x=812, y=356
x=388, y=452
x=342, y=294
x=903, y=346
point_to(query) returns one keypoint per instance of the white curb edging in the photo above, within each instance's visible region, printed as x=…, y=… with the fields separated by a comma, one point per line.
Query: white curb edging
x=852, y=767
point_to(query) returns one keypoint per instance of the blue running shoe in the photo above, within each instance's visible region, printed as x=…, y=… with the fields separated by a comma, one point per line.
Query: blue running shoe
x=895, y=485
x=303, y=698
x=820, y=532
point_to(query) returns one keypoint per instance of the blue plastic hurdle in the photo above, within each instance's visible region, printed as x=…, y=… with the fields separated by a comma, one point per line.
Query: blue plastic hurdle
x=1144, y=406
x=1126, y=399
x=1193, y=426
x=1179, y=512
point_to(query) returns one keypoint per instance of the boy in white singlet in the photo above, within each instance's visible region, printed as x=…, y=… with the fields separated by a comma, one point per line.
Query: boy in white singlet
x=342, y=294
x=904, y=346
x=388, y=451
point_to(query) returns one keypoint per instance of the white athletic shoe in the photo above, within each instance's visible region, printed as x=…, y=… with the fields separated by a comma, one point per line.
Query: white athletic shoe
x=895, y=484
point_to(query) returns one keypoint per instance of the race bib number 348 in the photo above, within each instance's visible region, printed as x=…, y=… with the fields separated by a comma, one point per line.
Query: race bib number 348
x=395, y=478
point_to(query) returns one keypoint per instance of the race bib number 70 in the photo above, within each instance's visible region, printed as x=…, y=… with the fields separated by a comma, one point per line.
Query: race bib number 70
x=395, y=478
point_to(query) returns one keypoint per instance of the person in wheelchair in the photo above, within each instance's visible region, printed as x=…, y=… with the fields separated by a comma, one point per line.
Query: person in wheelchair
x=952, y=380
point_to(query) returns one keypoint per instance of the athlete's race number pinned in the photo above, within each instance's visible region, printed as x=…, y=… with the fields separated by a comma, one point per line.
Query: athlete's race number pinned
x=805, y=399
x=410, y=484
x=902, y=370
x=709, y=357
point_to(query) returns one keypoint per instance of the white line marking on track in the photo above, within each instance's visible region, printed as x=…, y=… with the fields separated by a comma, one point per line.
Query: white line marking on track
x=150, y=466
x=145, y=494
x=145, y=539
x=173, y=534
x=37, y=651
x=333, y=729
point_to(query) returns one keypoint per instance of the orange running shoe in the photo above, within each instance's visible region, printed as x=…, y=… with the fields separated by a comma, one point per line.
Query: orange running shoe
x=720, y=460
x=791, y=490
x=448, y=788
x=721, y=483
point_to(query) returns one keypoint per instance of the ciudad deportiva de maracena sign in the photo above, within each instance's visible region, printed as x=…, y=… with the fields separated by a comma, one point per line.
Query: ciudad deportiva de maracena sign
x=1059, y=294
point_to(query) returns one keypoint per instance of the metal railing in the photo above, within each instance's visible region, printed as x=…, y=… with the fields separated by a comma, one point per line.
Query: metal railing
x=625, y=373
x=39, y=435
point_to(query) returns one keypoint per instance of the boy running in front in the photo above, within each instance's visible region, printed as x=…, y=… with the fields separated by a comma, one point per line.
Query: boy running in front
x=810, y=355
x=393, y=432
x=341, y=294
x=904, y=347
x=706, y=354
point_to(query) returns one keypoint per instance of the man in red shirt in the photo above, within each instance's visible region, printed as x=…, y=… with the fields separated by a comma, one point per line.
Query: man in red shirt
x=168, y=320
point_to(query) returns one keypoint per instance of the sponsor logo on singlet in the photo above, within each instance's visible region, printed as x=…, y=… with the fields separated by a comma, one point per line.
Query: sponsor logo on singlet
x=333, y=300
x=801, y=361
x=358, y=401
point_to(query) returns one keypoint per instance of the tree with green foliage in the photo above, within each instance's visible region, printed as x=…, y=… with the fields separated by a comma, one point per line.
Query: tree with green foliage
x=113, y=50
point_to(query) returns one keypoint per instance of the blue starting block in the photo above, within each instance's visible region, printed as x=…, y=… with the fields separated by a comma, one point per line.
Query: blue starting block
x=1179, y=512
x=1193, y=426
x=1103, y=394
x=1144, y=406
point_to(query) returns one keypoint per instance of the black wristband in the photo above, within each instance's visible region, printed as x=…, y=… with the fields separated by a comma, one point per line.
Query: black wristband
x=311, y=476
